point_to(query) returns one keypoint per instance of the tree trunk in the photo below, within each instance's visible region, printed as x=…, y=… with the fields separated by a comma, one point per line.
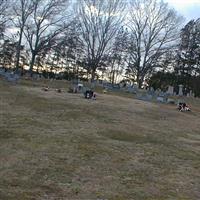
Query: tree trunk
x=32, y=63
x=112, y=73
x=93, y=75
x=19, y=49
x=37, y=69
x=113, y=77
x=140, y=83
x=139, y=80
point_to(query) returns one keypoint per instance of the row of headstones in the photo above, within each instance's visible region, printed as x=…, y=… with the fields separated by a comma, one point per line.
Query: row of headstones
x=110, y=86
x=171, y=92
x=9, y=76
x=134, y=89
x=159, y=92
x=15, y=76
x=158, y=95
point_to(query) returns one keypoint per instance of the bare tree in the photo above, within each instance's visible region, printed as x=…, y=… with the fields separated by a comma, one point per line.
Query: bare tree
x=99, y=21
x=46, y=23
x=22, y=9
x=118, y=55
x=8, y=53
x=154, y=30
x=188, y=57
x=3, y=15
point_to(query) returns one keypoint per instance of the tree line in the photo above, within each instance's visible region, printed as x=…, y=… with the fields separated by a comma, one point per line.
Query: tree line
x=134, y=40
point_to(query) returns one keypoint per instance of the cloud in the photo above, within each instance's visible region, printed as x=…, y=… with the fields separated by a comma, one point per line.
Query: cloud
x=187, y=8
x=183, y=2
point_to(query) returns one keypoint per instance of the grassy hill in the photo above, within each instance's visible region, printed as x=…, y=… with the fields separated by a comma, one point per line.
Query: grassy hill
x=61, y=146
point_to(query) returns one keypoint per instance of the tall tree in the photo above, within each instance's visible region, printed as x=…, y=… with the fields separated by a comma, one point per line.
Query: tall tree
x=189, y=49
x=69, y=48
x=22, y=9
x=4, y=4
x=118, y=55
x=154, y=30
x=99, y=21
x=46, y=23
x=8, y=53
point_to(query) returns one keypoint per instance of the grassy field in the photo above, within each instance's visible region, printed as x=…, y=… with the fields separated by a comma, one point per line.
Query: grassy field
x=60, y=146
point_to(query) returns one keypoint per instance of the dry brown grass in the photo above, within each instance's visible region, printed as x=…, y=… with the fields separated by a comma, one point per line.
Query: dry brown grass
x=61, y=146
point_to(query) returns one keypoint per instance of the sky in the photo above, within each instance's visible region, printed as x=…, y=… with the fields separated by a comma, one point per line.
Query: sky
x=190, y=9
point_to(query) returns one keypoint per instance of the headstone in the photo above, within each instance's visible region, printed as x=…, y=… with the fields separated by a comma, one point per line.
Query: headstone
x=121, y=85
x=93, y=85
x=36, y=76
x=75, y=81
x=151, y=89
x=170, y=101
x=151, y=92
x=132, y=90
x=162, y=94
x=2, y=70
x=144, y=97
x=128, y=85
x=160, y=99
x=180, y=91
x=80, y=87
x=116, y=87
x=100, y=82
x=135, y=86
x=157, y=92
x=105, y=91
x=149, y=97
x=11, y=77
x=170, y=90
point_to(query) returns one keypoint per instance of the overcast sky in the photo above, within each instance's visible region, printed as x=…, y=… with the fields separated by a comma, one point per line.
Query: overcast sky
x=190, y=9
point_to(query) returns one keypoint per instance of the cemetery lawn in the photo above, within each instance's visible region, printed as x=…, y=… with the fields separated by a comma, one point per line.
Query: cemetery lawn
x=61, y=146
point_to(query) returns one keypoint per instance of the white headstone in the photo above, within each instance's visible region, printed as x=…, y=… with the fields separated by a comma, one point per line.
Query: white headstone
x=171, y=101
x=136, y=86
x=151, y=89
x=180, y=91
x=170, y=90
x=160, y=99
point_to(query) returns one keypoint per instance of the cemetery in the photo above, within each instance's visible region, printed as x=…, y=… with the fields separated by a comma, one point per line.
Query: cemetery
x=99, y=99
x=84, y=143
x=151, y=95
